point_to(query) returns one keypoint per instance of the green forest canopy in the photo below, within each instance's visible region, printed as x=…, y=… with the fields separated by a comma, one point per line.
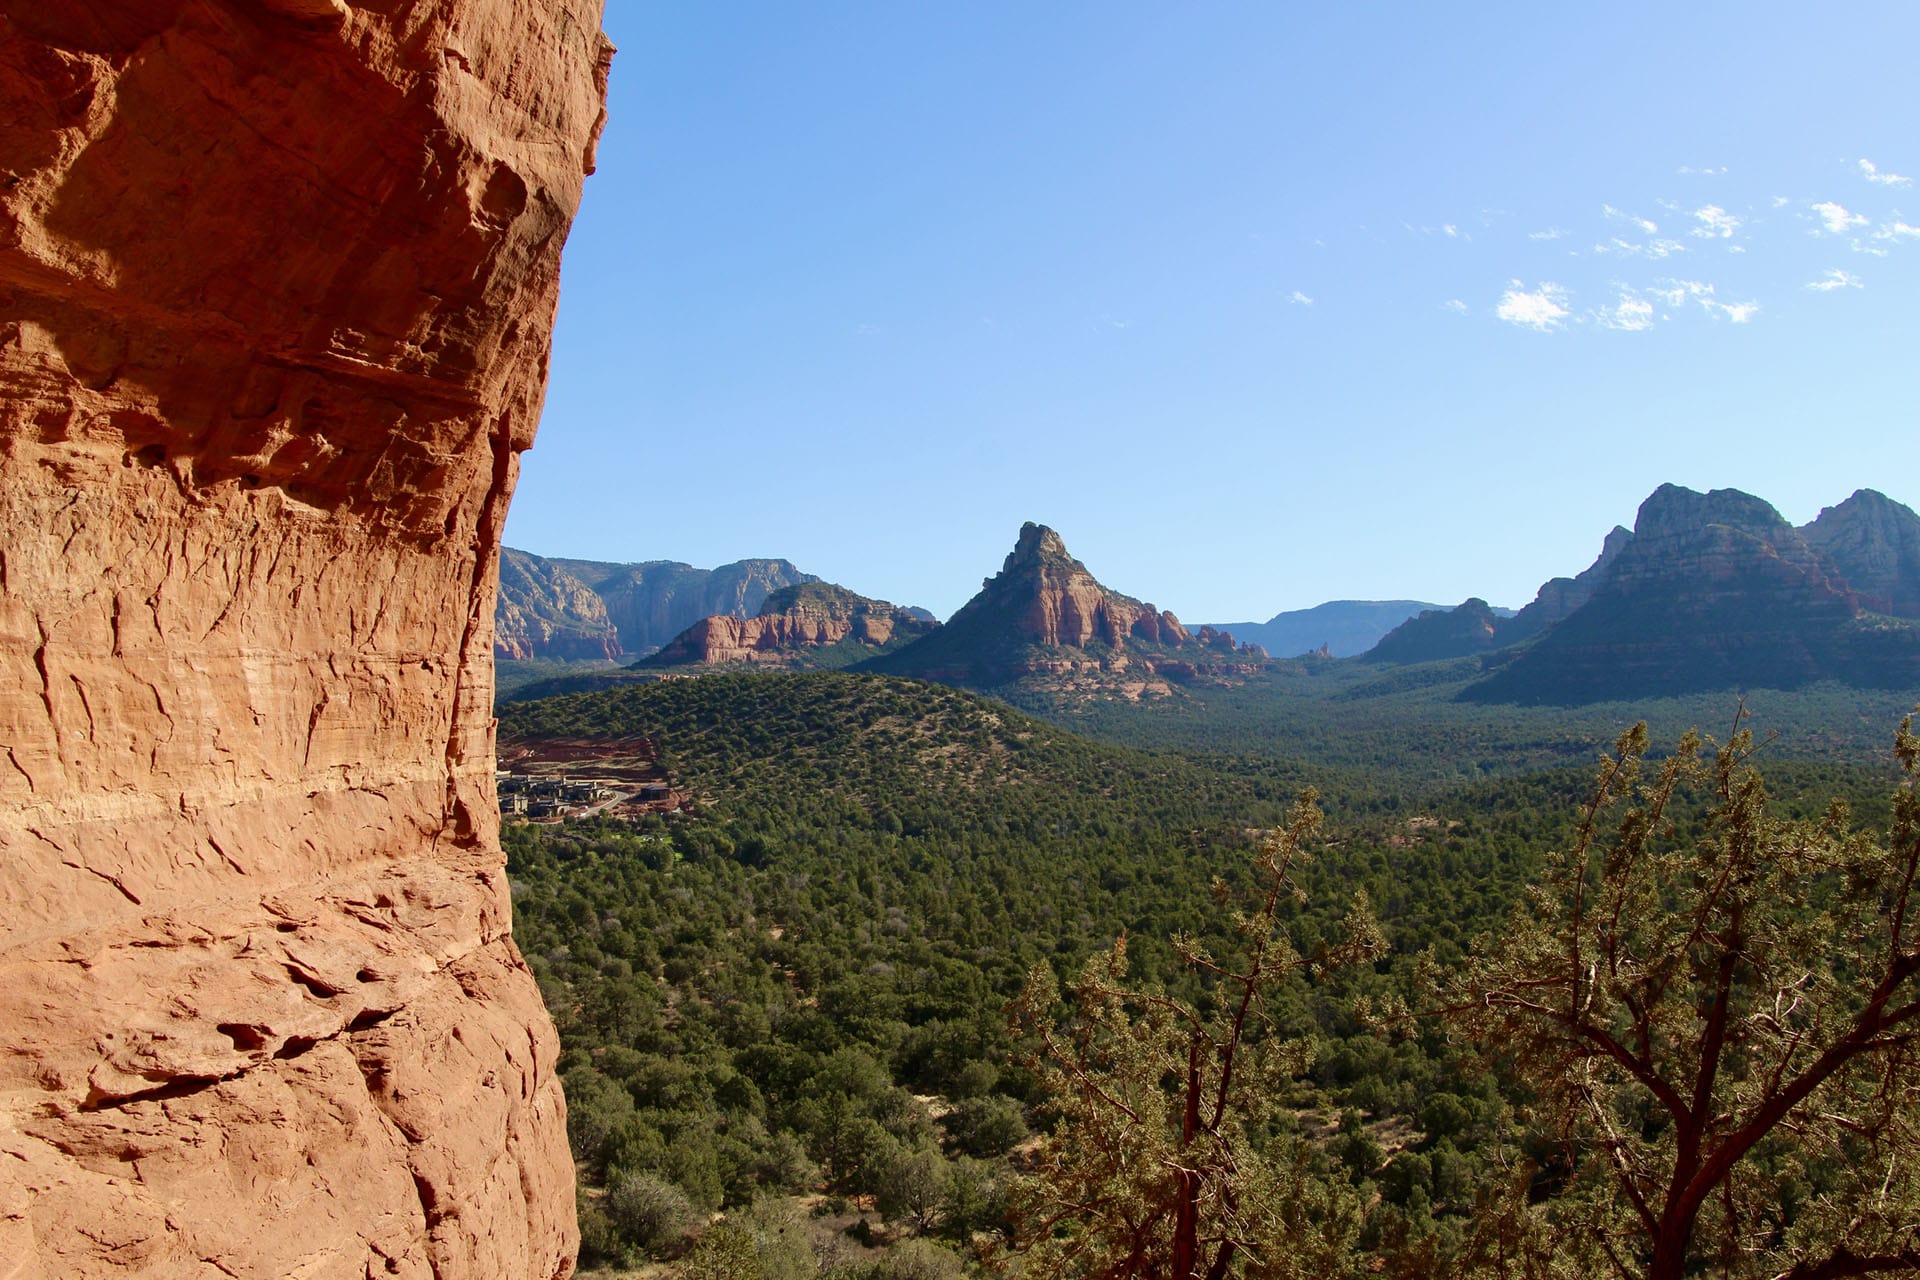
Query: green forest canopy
x=802, y=987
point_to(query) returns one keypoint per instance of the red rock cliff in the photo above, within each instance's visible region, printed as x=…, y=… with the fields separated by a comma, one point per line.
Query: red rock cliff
x=277, y=279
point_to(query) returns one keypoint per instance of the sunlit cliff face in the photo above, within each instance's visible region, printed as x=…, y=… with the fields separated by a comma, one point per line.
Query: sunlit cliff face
x=276, y=289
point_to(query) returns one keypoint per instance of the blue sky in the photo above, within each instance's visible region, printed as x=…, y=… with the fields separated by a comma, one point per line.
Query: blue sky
x=1258, y=304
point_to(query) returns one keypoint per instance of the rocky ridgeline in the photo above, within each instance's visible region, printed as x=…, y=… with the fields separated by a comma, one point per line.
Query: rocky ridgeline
x=801, y=626
x=1718, y=591
x=1559, y=597
x=570, y=609
x=546, y=612
x=1044, y=617
x=1709, y=591
x=1874, y=543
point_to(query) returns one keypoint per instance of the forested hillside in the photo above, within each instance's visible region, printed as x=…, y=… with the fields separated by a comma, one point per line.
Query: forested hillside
x=801, y=989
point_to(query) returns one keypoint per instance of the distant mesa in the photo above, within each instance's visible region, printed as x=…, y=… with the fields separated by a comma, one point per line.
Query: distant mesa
x=566, y=610
x=1336, y=629
x=807, y=626
x=1044, y=620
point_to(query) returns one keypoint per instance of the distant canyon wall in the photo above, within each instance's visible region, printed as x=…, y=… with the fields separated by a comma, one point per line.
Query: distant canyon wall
x=277, y=282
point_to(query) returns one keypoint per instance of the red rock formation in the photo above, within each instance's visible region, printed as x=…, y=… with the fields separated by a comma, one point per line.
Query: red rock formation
x=277, y=280
x=1874, y=544
x=1040, y=612
x=793, y=622
x=553, y=608
x=1715, y=591
x=725, y=638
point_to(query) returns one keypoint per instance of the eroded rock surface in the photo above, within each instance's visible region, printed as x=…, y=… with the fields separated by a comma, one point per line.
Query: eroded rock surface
x=805, y=625
x=277, y=281
x=1714, y=591
x=546, y=612
x=1874, y=543
x=1045, y=615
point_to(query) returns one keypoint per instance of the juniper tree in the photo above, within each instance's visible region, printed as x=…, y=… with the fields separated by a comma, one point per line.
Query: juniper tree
x=1719, y=1020
x=1161, y=1162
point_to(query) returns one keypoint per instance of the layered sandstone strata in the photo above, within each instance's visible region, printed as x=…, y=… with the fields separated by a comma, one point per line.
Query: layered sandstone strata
x=792, y=628
x=545, y=612
x=1044, y=612
x=1873, y=542
x=1714, y=591
x=277, y=279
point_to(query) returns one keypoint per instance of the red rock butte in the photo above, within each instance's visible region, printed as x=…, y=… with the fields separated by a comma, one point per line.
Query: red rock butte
x=277, y=283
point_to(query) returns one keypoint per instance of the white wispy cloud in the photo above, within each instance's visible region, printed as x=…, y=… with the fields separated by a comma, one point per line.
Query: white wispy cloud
x=1299, y=299
x=1675, y=293
x=1715, y=223
x=1542, y=309
x=1896, y=231
x=1645, y=224
x=1709, y=172
x=1453, y=232
x=1871, y=172
x=1655, y=249
x=1551, y=233
x=1629, y=314
x=1836, y=218
x=1781, y=202
x=1834, y=279
x=1454, y=305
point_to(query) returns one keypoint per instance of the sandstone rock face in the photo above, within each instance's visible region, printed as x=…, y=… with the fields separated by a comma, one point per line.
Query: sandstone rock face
x=793, y=628
x=1696, y=540
x=276, y=287
x=1714, y=591
x=546, y=612
x=647, y=604
x=1873, y=543
x=1041, y=614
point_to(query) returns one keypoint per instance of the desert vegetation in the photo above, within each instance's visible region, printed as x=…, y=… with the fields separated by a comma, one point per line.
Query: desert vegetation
x=926, y=985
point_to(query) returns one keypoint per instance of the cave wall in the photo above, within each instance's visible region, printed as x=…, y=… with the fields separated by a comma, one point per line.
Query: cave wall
x=277, y=284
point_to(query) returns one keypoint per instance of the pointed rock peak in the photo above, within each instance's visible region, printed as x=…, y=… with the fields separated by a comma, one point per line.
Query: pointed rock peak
x=1037, y=543
x=1617, y=539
